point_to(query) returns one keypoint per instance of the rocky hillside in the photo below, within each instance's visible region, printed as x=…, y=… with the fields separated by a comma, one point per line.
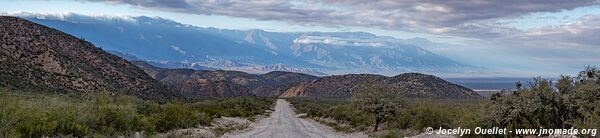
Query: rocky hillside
x=428, y=86
x=203, y=88
x=332, y=86
x=287, y=84
x=414, y=85
x=201, y=83
x=35, y=56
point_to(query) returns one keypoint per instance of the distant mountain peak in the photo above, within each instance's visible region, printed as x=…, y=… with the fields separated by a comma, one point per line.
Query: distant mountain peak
x=255, y=50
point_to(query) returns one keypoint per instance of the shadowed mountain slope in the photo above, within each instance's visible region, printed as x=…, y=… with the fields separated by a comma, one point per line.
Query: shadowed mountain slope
x=225, y=83
x=287, y=84
x=35, y=56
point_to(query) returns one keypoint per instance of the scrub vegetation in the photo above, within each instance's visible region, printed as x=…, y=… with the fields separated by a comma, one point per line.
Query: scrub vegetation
x=411, y=119
x=25, y=114
x=570, y=102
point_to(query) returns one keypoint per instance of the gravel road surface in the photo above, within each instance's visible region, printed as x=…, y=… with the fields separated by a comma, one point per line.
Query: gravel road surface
x=283, y=123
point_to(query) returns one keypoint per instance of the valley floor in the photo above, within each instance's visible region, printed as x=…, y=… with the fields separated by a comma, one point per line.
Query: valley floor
x=283, y=123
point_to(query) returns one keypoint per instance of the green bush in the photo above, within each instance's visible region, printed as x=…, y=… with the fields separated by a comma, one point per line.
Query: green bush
x=591, y=119
x=449, y=113
x=108, y=114
x=25, y=114
x=46, y=117
x=176, y=115
x=69, y=122
x=426, y=115
x=36, y=123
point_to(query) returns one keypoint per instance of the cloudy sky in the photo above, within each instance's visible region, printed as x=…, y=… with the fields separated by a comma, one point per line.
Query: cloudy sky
x=518, y=37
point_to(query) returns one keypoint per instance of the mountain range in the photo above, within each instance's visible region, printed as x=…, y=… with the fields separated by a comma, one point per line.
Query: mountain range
x=170, y=44
x=46, y=59
x=199, y=84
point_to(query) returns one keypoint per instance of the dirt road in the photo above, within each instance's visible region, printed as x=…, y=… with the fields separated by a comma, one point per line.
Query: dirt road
x=283, y=123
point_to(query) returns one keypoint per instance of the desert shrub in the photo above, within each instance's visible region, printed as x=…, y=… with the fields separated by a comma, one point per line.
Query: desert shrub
x=235, y=107
x=425, y=115
x=573, y=102
x=36, y=123
x=108, y=114
x=417, y=115
x=348, y=114
x=69, y=121
x=469, y=114
x=111, y=118
x=584, y=100
x=590, y=119
x=176, y=115
x=204, y=119
x=451, y=113
x=311, y=108
x=46, y=117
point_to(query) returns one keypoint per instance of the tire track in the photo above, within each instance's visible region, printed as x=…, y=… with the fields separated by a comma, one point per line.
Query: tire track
x=283, y=123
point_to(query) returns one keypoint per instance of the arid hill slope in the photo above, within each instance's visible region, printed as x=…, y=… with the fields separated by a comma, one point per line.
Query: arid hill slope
x=35, y=56
x=196, y=84
x=413, y=85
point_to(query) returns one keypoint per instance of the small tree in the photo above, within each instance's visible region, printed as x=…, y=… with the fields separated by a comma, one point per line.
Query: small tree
x=378, y=100
x=565, y=84
x=589, y=74
x=518, y=85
